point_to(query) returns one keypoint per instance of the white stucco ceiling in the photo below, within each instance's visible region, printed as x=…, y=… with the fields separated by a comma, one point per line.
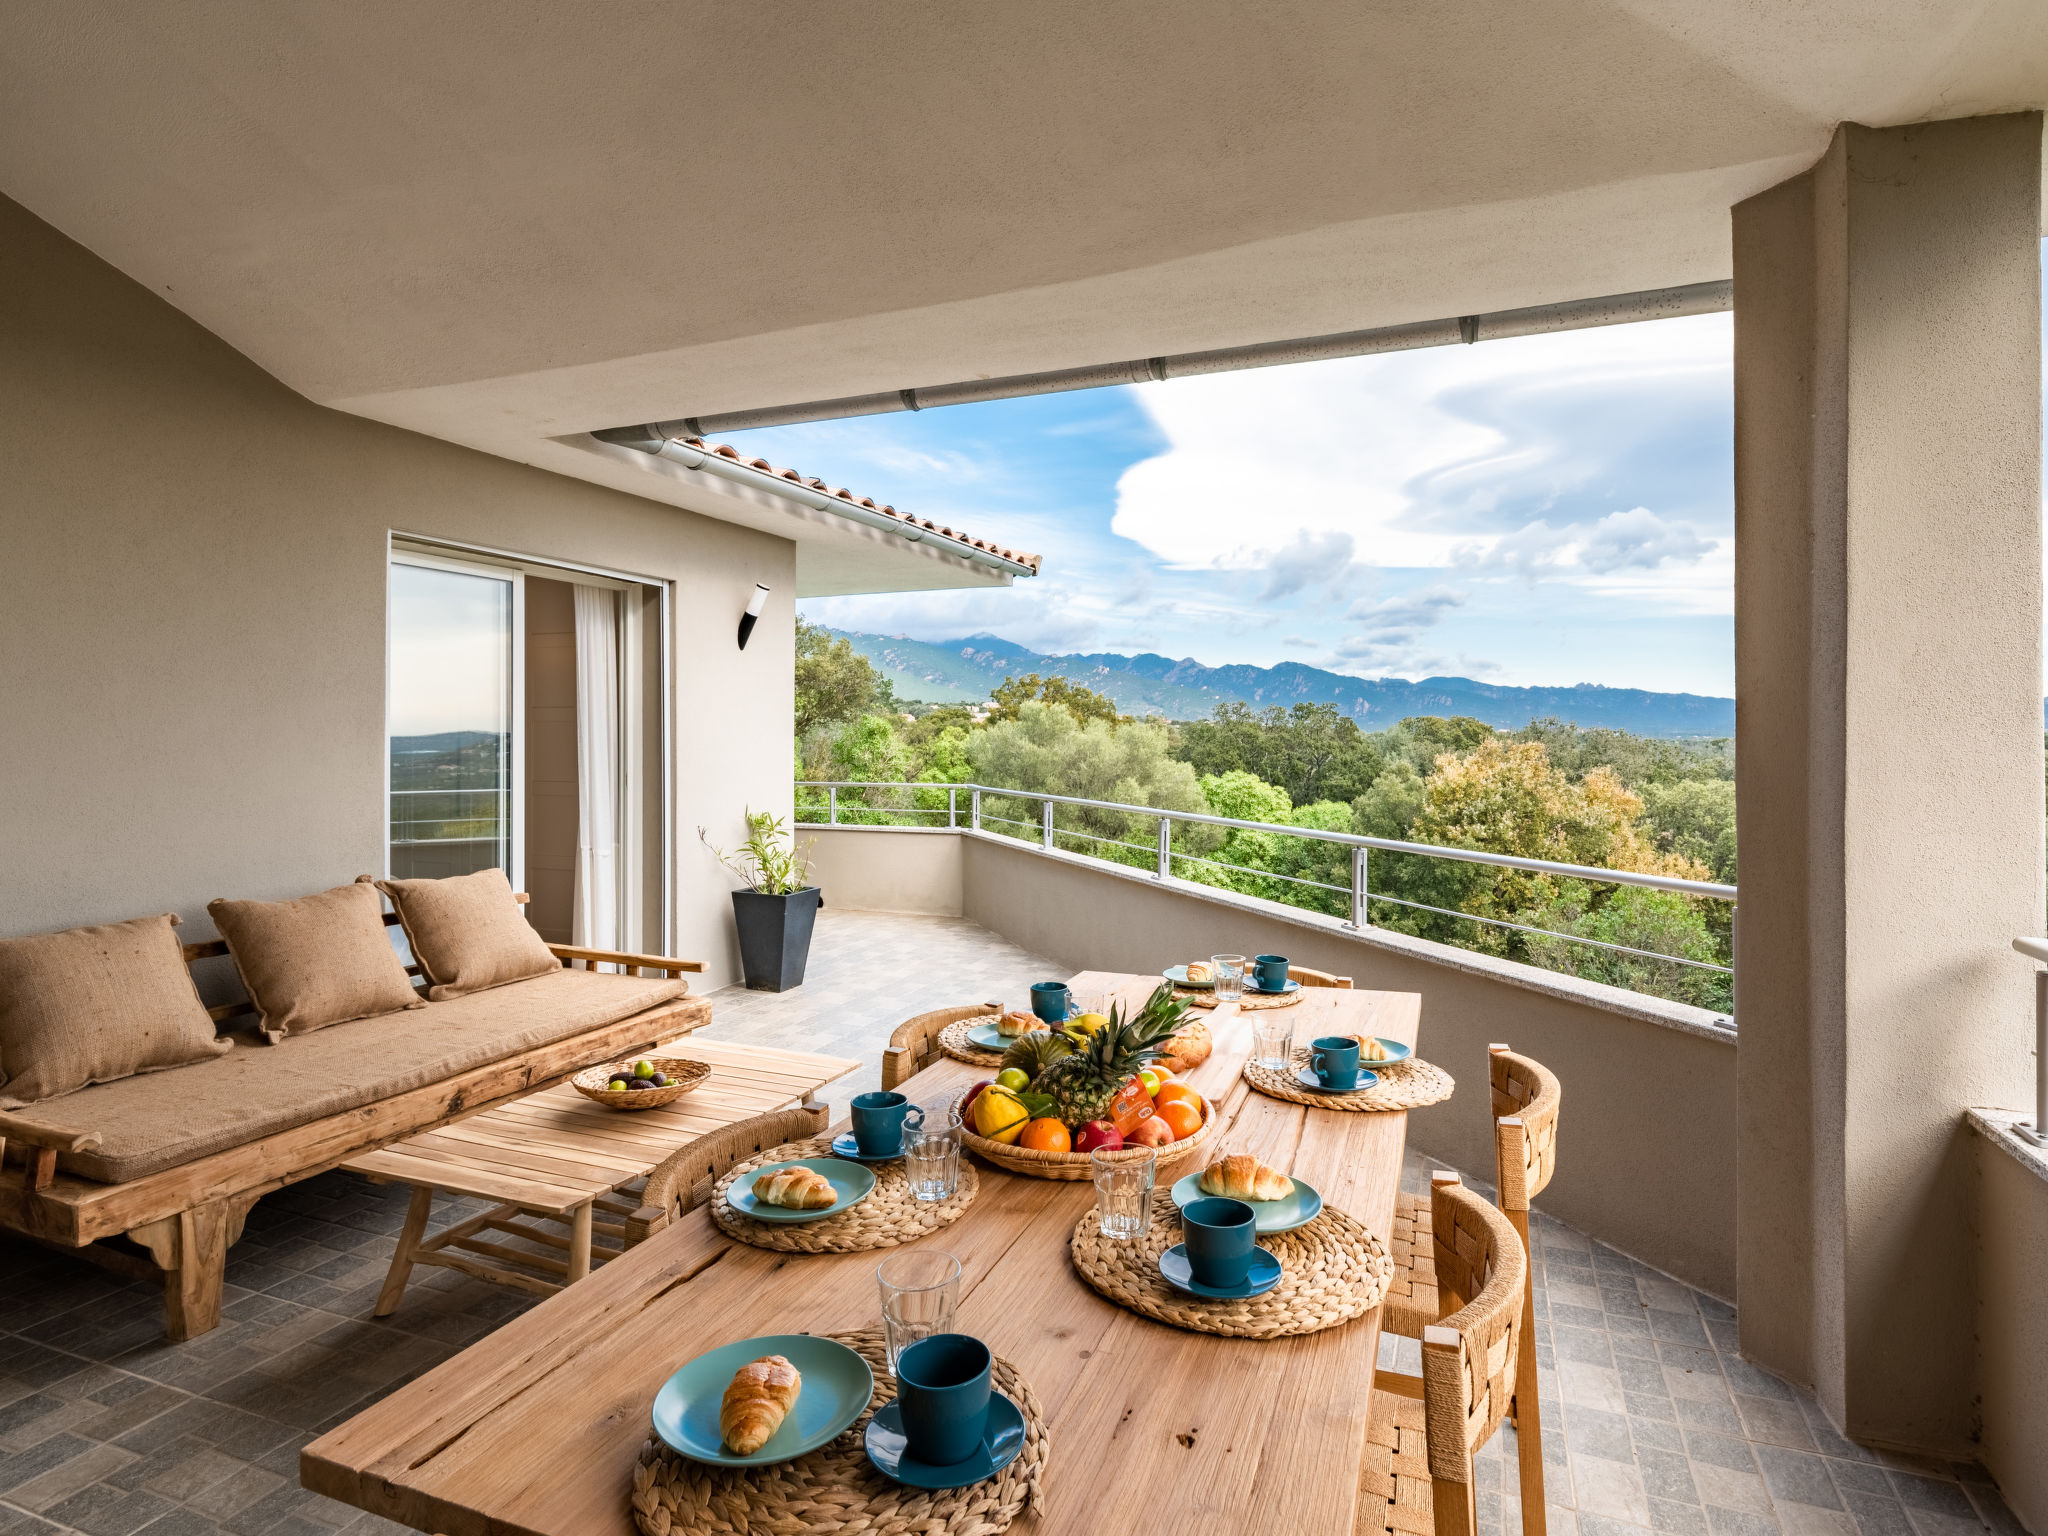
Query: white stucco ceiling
x=509, y=223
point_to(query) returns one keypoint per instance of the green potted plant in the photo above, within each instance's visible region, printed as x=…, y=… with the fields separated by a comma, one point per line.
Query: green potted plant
x=778, y=908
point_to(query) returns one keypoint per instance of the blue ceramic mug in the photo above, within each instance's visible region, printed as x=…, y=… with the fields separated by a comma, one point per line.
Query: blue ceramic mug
x=1051, y=1001
x=1335, y=1060
x=942, y=1390
x=878, y=1120
x=1218, y=1235
x=1272, y=971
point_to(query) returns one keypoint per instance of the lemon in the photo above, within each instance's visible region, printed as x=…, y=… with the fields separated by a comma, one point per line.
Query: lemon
x=998, y=1116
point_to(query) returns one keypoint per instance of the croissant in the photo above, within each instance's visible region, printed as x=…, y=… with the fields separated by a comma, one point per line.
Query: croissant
x=1200, y=971
x=1369, y=1049
x=1245, y=1178
x=797, y=1187
x=1010, y=1025
x=756, y=1401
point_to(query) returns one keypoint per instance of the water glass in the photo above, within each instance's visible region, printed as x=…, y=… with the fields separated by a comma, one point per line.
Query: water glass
x=931, y=1156
x=920, y=1294
x=1273, y=1040
x=1229, y=973
x=1123, y=1193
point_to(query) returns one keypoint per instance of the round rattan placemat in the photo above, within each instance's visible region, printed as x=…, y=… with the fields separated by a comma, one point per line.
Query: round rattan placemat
x=954, y=1043
x=1334, y=1271
x=836, y=1489
x=889, y=1216
x=1406, y=1084
x=1251, y=1002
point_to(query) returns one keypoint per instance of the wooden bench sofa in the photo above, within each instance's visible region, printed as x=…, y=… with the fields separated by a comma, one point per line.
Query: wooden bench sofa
x=85, y=1168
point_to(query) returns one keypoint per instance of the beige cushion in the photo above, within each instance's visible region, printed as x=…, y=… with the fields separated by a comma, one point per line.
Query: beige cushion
x=320, y=960
x=467, y=933
x=148, y=1124
x=90, y=1005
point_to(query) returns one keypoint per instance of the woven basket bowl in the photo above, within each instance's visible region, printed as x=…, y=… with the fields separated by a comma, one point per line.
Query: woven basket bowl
x=683, y=1075
x=1076, y=1165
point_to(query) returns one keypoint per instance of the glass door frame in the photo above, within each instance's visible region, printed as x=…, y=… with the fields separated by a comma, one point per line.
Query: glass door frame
x=513, y=763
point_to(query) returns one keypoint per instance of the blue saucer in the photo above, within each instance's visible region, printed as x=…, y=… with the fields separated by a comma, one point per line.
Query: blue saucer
x=890, y=1453
x=1308, y=1079
x=1265, y=1274
x=843, y=1145
x=1253, y=986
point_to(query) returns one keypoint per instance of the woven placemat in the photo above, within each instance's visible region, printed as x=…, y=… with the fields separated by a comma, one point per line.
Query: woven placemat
x=1251, y=1002
x=1406, y=1084
x=889, y=1216
x=953, y=1042
x=836, y=1488
x=1334, y=1270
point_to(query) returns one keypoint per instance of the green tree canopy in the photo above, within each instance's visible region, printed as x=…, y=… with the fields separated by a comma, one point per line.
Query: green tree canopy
x=834, y=682
x=1084, y=704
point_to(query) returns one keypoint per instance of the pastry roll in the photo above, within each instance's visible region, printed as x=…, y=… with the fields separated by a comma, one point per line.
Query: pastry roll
x=1200, y=971
x=796, y=1187
x=756, y=1402
x=1010, y=1025
x=1244, y=1177
x=1369, y=1049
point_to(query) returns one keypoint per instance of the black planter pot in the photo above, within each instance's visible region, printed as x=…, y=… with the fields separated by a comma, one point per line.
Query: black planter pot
x=775, y=936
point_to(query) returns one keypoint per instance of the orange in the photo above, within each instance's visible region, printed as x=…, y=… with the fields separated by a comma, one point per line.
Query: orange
x=1181, y=1117
x=1171, y=1092
x=1046, y=1134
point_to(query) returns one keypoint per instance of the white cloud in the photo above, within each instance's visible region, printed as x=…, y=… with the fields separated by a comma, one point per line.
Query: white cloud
x=1312, y=560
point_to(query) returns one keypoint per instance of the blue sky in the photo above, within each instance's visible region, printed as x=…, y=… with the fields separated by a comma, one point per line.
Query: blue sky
x=1549, y=509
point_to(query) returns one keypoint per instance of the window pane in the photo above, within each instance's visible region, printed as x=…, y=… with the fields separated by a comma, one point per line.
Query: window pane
x=450, y=693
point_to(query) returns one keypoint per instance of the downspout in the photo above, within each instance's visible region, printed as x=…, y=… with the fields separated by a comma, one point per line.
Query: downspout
x=663, y=441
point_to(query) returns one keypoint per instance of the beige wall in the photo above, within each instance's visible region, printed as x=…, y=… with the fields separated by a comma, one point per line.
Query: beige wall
x=1648, y=1134
x=553, y=811
x=2011, y=1322
x=192, y=615
x=1888, y=591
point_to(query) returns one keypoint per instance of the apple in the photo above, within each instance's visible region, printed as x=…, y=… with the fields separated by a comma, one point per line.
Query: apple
x=1099, y=1134
x=1150, y=1132
x=1016, y=1079
x=1151, y=1078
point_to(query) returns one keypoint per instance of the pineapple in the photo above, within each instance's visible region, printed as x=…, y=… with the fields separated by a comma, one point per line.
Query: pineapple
x=1081, y=1085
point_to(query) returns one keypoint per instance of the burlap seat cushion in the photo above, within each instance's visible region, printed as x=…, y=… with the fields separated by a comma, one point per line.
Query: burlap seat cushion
x=149, y=1124
x=467, y=933
x=91, y=1005
x=322, y=959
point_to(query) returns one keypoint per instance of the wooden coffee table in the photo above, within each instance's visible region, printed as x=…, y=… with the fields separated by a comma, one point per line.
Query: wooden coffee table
x=558, y=1165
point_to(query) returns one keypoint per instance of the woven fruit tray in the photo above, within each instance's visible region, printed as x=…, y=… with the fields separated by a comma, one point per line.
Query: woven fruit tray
x=680, y=1075
x=1077, y=1165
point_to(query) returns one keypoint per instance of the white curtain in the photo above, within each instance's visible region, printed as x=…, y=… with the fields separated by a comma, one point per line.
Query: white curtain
x=596, y=920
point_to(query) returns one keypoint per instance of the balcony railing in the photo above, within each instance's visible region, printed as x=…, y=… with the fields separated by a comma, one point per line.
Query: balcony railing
x=966, y=807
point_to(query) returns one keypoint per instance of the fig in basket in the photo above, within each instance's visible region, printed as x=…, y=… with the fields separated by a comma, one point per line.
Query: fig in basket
x=1083, y=1085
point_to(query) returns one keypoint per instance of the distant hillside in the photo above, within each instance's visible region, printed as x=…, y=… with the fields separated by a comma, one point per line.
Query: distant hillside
x=962, y=671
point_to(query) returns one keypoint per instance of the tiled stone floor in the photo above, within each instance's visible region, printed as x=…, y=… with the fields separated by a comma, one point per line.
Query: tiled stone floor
x=1652, y=1422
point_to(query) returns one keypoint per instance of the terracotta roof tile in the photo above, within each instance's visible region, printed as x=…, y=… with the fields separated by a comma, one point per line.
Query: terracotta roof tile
x=727, y=451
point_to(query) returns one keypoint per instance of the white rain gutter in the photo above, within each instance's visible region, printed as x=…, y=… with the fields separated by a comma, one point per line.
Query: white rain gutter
x=1572, y=315
x=662, y=441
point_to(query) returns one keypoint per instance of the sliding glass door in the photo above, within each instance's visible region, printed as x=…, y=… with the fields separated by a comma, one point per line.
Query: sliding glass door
x=454, y=692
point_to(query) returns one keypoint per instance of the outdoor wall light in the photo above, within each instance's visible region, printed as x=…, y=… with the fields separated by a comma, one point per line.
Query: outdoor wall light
x=754, y=606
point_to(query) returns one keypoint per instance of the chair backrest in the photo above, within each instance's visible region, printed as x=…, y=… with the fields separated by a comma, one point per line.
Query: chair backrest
x=1468, y=1359
x=684, y=1178
x=1525, y=1099
x=915, y=1044
x=1309, y=978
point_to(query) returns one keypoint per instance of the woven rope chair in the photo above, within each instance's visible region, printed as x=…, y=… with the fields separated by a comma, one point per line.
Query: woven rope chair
x=682, y=1181
x=915, y=1045
x=1309, y=978
x=1525, y=1103
x=1416, y=1477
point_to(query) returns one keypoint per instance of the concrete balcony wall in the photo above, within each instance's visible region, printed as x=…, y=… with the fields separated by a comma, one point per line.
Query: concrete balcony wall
x=1647, y=1157
x=2011, y=1324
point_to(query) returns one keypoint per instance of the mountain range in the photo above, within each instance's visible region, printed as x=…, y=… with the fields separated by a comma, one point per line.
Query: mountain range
x=965, y=670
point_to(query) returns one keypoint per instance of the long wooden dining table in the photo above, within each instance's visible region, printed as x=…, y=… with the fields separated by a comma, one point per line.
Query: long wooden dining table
x=537, y=1427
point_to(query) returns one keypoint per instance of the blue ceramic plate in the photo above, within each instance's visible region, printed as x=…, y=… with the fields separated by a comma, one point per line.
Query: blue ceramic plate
x=837, y=1386
x=1308, y=1079
x=999, y=1447
x=852, y=1182
x=843, y=1145
x=1395, y=1050
x=1173, y=1267
x=989, y=1038
x=1178, y=975
x=1297, y=1210
x=1251, y=985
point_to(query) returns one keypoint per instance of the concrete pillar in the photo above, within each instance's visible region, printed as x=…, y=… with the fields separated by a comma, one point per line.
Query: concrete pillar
x=1888, y=690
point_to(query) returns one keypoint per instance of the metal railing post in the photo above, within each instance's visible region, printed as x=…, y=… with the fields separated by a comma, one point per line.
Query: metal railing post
x=974, y=809
x=2038, y=1132
x=952, y=805
x=1165, y=847
x=1045, y=820
x=1360, y=916
x=832, y=806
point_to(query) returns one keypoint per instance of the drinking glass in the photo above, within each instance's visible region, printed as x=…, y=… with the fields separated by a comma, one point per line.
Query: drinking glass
x=931, y=1155
x=1273, y=1040
x=1229, y=971
x=1123, y=1193
x=920, y=1294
